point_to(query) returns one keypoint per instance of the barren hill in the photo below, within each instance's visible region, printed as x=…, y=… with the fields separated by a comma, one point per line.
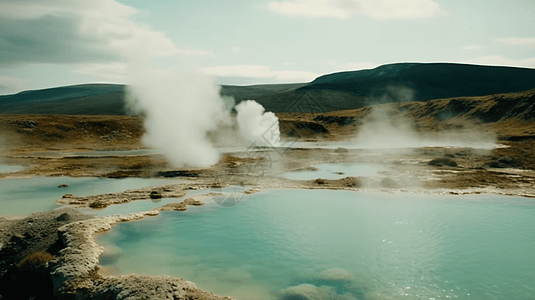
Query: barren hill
x=402, y=82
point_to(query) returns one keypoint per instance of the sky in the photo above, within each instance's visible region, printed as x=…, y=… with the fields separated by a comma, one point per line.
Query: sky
x=50, y=43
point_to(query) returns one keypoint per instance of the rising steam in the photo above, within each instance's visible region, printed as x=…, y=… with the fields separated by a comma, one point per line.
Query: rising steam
x=181, y=107
x=256, y=125
x=386, y=128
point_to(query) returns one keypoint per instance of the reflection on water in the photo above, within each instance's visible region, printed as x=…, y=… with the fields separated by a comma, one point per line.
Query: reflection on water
x=29, y=195
x=284, y=244
x=337, y=171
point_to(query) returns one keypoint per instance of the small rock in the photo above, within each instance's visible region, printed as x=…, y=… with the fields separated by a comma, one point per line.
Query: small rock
x=155, y=195
x=320, y=181
x=251, y=191
x=64, y=217
x=152, y=213
x=193, y=201
x=63, y=186
x=341, y=150
x=180, y=206
x=443, y=161
x=99, y=204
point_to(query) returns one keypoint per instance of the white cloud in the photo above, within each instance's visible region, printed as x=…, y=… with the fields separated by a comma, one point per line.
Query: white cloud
x=11, y=83
x=310, y=8
x=497, y=60
x=343, y=9
x=264, y=72
x=474, y=48
x=66, y=31
x=113, y=72
x=352, y=66
x=514, y=41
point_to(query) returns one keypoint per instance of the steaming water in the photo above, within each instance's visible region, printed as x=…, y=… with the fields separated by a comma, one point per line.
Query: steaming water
x=337, y=171
x=411, y=145
x=373, y=246
x=29, y=195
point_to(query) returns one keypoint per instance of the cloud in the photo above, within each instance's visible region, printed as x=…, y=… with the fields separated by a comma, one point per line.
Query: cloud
x=310, y=8
x=265, y=72
x=352, y=66
x=343, y=9
x=474, y=47
x=113, y=71
x=66, y=31
x=514, y=41
x=497, y=60
x=11, y=83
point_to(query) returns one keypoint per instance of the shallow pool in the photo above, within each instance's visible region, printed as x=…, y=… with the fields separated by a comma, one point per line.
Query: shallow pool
x=28, y=195
x=10, y=168
x=340, y=245
x=147, y=205
x=337, y=171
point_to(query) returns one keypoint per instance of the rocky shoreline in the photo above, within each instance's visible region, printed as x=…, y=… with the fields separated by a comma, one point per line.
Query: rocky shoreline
x=73, y=270
x=67, y=235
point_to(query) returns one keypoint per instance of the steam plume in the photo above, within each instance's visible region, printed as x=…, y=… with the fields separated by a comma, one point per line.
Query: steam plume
x=257, y=126
x=181, y=107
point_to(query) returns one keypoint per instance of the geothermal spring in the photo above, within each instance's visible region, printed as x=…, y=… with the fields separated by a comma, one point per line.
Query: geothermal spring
x=287, y=242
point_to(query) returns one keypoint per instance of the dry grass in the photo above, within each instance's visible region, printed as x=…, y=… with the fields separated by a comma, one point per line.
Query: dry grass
x=36, y=259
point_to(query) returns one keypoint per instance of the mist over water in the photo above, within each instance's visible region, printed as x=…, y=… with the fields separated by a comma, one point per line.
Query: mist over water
x=386, y=128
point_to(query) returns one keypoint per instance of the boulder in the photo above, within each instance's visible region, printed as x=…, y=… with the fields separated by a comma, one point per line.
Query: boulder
x=443, y=161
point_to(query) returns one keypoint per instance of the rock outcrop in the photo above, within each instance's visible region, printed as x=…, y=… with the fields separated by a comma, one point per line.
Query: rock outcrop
x=75, y=271
x=104, y=200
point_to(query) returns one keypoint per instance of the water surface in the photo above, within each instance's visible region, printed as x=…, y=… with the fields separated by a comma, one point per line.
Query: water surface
x=22, y=196
x=340, y=245
x=11, y=168
x=337, y=171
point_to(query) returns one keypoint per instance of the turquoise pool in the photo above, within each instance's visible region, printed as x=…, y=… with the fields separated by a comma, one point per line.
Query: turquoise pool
x=303, y=244
x=28, y=195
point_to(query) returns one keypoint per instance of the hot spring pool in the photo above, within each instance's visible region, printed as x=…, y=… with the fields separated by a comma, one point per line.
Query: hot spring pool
x=10, y=168
x=28, y=195
x=340, y=245
x=337, y=171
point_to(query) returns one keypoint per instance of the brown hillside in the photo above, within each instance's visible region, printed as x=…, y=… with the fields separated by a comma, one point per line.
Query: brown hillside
x=511, y=116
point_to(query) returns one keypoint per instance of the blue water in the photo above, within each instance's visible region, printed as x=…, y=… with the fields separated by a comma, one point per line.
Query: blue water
x=147, y=205
x=340, y=245
x=337, y=171
x=10, y=168
x=29, y=195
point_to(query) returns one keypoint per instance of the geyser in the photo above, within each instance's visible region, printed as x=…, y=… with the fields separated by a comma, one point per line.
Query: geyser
x=257, y=126
x=181, y=106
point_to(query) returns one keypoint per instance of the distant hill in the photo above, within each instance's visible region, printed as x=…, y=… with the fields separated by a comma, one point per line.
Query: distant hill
x=402, y=82
x=86, y=99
